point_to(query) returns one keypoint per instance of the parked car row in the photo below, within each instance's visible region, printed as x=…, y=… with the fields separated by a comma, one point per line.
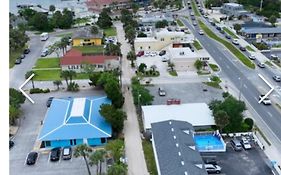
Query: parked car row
x=55, y=155
x=22, y=56
x=238, y=145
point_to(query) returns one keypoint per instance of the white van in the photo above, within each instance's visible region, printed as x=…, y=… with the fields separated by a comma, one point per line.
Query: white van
x=44, y=36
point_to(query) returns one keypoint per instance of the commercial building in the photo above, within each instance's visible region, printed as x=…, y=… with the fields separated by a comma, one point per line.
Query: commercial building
x=264, y=32
x=75, y=121
x=84, y=36
x=152, y=18
x=162, y=38
x=174, y=149
x=233, y=9
x=75, y=60
x=197, y=114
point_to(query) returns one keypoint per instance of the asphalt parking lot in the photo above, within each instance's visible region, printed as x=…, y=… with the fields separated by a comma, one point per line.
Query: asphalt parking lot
x=245, y=162
x=27, y=134
x=186, y=92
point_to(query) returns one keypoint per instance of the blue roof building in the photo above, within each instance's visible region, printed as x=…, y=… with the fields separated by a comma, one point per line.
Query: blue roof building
x=75, y=121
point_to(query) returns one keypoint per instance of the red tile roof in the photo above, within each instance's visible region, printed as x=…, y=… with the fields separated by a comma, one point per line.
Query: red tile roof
x=75, y=57
x=104, y=2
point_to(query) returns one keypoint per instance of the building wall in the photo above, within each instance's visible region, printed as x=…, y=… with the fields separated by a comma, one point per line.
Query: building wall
x=184, y=65
x=81, y=42
x=73, y=142
x=231, y=10
x=150, y=45
x=97, y=141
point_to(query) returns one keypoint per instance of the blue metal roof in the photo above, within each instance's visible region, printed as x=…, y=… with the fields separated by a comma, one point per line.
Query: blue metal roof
x=63, y=122
x=262, y=30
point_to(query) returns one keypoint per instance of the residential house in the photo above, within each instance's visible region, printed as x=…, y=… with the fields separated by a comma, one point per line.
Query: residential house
x=162, y=38
x=198, y=114
x=75, y=60
x=264, y=32
x=233, y=9
x=84, y=36
x=152, y=18
x=75, y=121
x=174, y=149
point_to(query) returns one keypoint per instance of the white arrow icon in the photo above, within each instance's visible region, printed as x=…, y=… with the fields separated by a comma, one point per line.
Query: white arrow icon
x=20, y=88
x=267, y=94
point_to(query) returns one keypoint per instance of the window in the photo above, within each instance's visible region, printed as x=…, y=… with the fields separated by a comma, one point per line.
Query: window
x=100, y=66
x=172, y=39
x=47, y=143
x=74, y=141
x=71, y=143
x=140, y=47
x=162, y=39
x=69, y=67
x=148, y=47
x=77, y=67
x=102, y=140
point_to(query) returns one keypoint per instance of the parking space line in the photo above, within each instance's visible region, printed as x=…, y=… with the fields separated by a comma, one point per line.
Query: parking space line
x=49, y=157
x=25, y=159
x=256, y=98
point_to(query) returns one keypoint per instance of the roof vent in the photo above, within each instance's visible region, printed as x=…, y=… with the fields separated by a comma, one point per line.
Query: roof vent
x=185, y=173
x=179, y=153
x=170, y=122
x=172, y=129
x=182, y=162
x=175, y=137
x=177, y=145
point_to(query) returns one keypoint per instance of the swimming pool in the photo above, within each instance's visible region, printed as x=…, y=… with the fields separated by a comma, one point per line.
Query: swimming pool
x=209, y=143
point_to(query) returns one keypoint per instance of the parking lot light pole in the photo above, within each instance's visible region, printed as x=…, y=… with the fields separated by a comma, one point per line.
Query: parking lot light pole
x=240, y=87
x=139, y=95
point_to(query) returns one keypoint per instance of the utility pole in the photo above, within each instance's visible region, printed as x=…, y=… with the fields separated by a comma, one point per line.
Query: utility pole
x=261, y=5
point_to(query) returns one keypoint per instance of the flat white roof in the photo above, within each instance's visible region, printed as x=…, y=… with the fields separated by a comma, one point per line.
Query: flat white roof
x=233, y=4
x=78, y=106
x=197, y=114
x=145, y=39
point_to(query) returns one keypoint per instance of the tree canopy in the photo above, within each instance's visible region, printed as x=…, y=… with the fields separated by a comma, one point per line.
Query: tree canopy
x=161, y=24
x=104, y=20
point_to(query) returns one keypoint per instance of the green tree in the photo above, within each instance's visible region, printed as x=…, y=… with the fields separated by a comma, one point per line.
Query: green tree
x=249, y=122
x=142, y=35
x=28, y=74
x=161, y=24
x=117, y=169
x=56, y=19
x=17, y=39
x=171, y=65
x=272, y=19
x=52, y=8
x=67, y=19
x=135, y=7
x=198, y=64
x=221, y=119
x=113, y=116
x=237, y=27
x=14, y=113
x=57, y=83
x=142, y=67
x=131, y=56
x=96, y=159
x=40, y=22
x=94, y=78
x=27, y=13
x=104, y=20
x=141, y=95
x=63, y=44
x=116, y=148
x=112, y=49
x=83, y=151
x=16, y=97
x=94, y=30
x=131, y=35
x=65, y=75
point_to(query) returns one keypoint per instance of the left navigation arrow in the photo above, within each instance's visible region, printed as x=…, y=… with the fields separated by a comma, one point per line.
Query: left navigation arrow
x=20, y=88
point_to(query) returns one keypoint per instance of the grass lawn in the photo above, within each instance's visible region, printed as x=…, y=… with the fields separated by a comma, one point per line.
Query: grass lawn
x=173, y=73
x=202, y=73
x=249, y=49
x=277, y=63
x=268, y=63
x=180, y=23
x=47, y=75
x=149, y=157
x=196, y=12
x=81, y=20
x=90, y=49
x=81, y=76
x=197, y=45
x=47, y=63
x=65, y=34
x=13, y=56
x=230, y=33
x=110, y=31
x=214, y=67
x=213, y=84
x=228, y=45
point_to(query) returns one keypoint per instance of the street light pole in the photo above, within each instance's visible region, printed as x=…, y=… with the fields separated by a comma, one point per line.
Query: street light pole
x=240, y=88
x=139, y=95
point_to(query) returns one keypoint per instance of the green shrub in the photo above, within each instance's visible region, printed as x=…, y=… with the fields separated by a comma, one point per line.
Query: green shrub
x=38, y=90
x=249, y=122
x=215, y=78
x=74, y=87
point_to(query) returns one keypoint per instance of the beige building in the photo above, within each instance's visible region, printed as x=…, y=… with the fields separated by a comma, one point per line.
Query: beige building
x=162, y=38
x=184, y=58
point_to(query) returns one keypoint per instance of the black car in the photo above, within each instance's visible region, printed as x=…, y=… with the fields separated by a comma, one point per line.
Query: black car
x=22, y=56
x=222, y=31
x=49, y=101
x=11, y=144
x=18, y=61
x=242, y=48
x=228, y=36
x=31, y=158
x=162, y=52
x=26, y=51
x=55, y=154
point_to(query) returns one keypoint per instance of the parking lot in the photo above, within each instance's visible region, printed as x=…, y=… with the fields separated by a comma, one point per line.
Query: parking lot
x=245, y=162
x=186, y=92
x=26, y=136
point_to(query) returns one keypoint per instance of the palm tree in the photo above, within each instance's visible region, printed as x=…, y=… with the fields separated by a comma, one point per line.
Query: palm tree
x=65, y=74
x=117, y=169
x=28, y=74
x=97, y=158
x=72, y=74
x=83, y=150
x=57, y=83
x=64, y=42
x=171, y=65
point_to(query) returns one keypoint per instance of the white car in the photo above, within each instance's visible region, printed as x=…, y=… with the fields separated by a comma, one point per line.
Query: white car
x=266, y=101
x=153, y=54
x=235, y=41
x=165, y=59
x=252, y=57
x=201, y=32
x=147, y=54
x=245, y=143
x=210, y=168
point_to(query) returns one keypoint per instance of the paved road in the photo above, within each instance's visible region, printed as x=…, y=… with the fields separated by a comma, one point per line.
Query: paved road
x=268, y=113
x=133, y=143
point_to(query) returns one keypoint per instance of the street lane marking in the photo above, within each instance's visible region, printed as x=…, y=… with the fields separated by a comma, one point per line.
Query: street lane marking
x=245, y=86
x=269, y=114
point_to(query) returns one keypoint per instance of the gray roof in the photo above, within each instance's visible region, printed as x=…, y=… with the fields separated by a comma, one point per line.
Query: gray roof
x=85, y=33
x=262, y=30
x=175, y=148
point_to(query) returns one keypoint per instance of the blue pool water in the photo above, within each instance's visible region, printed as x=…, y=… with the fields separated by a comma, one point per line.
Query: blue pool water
x=208, y=142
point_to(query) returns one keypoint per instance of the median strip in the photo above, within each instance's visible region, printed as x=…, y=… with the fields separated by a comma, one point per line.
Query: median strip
x=228, y=45
x=195, y=8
